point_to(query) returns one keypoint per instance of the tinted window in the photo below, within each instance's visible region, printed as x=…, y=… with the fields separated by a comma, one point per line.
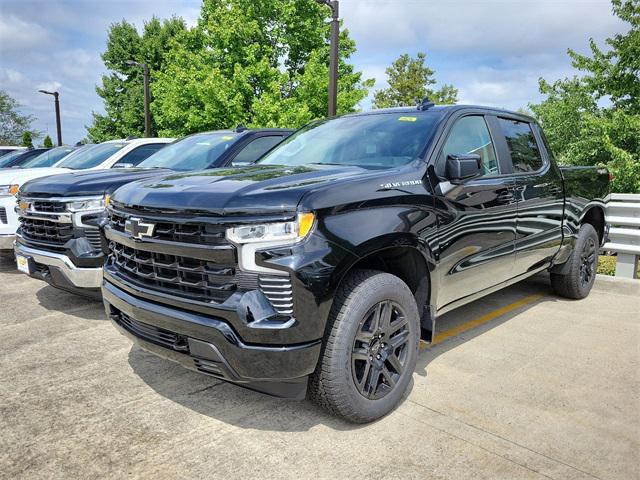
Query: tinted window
x=255, y=149
x=382, y=140
x=48, y=158
x=137, y=155
x=525, y=154
x=471, y=135
x=8, y=159
x=90, y=156
x=195, y=152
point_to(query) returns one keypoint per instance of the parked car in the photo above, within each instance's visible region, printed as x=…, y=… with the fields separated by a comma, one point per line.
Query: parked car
x=58, y=236
x=48, y=158
x=318, y=270
x=112, y=154
x=20, y=157
x=4, y=149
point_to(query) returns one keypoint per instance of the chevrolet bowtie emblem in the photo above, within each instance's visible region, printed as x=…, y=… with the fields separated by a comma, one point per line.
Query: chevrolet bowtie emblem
x=138, y=229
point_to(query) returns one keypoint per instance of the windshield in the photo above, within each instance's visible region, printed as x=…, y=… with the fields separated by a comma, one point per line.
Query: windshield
x=382, y=140
x=196, y=152
x=91, y=156
x=8, y=159
x=48, y=158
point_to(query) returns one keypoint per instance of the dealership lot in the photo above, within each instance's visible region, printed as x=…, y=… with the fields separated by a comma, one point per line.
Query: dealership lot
x=521, y=384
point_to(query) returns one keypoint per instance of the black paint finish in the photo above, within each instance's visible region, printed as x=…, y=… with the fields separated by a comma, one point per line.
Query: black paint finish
x=466, y=239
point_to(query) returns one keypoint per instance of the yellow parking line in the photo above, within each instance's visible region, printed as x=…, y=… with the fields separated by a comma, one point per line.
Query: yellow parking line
x=457, y=330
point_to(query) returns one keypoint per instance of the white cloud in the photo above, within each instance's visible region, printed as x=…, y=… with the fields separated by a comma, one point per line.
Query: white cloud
x=18, y=35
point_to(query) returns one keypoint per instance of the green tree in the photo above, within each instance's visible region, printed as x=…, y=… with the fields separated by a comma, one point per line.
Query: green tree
x=12, y=123
x=594, y=119
x=122, y=89
x=253, y=62
x=47, y=143
x=27, y=139
x=410, y=80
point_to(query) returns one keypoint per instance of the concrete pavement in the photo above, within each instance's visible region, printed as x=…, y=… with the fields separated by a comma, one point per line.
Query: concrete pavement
x=545, y=388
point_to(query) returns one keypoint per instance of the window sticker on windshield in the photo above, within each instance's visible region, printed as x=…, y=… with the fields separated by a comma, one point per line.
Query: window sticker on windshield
x=407, y=119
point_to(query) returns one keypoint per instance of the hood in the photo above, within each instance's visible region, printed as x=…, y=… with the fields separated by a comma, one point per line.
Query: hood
x=87, y=182
x=254, y=189
x=21, y=175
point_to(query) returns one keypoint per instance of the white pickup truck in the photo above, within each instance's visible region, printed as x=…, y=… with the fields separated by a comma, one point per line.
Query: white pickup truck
x=111, y=154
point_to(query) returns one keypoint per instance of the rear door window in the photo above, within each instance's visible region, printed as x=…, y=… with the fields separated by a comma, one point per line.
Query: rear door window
x=255, y=149
x=137, y=155
x=525, y=154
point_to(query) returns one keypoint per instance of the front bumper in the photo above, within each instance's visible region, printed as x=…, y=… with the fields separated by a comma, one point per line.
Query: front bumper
x=58, y=269
x=6, y=242
x=209, y=345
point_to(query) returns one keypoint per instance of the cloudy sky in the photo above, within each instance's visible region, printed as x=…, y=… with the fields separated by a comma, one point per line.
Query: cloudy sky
x=494, y=51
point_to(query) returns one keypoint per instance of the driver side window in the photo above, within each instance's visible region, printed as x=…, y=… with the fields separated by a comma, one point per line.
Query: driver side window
x=471, y=135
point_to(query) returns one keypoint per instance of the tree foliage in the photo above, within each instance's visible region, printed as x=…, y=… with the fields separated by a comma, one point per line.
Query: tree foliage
x=122, y=89
x=594, y=119
x=47, y=143
x=410, y=80
x=27, y=139
x=253, y=62
x=12, y=123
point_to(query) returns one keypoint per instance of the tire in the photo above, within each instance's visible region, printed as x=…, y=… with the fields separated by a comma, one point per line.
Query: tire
x=355, y=348
x=581, y=267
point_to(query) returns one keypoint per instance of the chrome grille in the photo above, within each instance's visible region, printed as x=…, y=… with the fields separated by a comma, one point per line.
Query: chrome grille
x=48, y=207
x=45, y=231
x=278, y=291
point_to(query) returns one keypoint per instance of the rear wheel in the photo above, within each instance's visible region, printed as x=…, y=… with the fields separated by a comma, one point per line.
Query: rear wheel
x=580, y=273
x=371, y=348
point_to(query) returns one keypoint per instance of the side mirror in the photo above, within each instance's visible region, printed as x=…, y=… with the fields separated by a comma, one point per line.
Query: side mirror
x=463, y=167
x=124, y=165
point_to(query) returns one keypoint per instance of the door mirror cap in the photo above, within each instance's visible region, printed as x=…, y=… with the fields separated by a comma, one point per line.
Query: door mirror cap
x=463, y=167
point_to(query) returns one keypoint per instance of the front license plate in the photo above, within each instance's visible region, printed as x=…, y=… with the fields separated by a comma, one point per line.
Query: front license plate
x=23, y=263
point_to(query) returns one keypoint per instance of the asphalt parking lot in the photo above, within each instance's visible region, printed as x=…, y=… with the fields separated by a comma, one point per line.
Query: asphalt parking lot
x=521, y=384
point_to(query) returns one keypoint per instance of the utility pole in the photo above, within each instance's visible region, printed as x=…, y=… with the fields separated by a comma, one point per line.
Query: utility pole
x=56, y=97
x=333, y=60
x=147, y=96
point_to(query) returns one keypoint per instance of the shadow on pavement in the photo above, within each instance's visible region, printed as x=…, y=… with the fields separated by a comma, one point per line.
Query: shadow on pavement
x=60, y=301
x=8, y=264
x=246, y=409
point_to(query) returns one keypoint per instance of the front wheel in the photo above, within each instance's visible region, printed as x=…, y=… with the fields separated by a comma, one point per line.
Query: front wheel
x=370, y=350
x=580, y=273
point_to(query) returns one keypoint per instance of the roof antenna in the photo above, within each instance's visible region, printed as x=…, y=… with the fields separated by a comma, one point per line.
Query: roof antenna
x=240, y=128
x=425, y=104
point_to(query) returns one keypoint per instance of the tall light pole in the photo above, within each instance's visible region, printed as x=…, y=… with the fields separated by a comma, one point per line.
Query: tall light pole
x=56, y=96
x=147, y=98
x=333, y=60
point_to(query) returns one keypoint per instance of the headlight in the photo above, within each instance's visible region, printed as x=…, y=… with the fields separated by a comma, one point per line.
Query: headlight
x=273, y=233
x=87, y=205
x=6, y=190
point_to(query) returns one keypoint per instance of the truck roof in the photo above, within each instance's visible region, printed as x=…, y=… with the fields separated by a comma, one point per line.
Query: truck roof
x=441, y=108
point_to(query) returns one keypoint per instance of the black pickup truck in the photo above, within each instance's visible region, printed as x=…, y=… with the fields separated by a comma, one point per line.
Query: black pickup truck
x=59, y=238
x=318, y=270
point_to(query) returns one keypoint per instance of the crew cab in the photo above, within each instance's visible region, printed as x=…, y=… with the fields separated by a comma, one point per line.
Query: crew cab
x=111, y=154
x=317, y=271
x=59, y=240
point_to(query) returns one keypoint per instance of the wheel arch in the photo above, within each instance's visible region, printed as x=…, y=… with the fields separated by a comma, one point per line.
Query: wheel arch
x=595, y=216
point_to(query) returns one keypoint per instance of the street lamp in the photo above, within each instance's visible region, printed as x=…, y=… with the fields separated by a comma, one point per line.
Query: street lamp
x=147, y=113
x=56, y=96
x=333, y=61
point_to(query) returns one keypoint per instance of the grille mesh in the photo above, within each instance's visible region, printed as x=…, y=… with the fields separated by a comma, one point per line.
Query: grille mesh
x=3, y=215
x=46, y=231
x=49, y=207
